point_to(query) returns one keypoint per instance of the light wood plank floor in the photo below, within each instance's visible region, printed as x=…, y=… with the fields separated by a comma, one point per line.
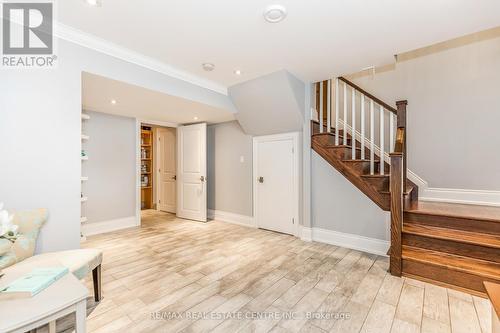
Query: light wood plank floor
x=173, y=275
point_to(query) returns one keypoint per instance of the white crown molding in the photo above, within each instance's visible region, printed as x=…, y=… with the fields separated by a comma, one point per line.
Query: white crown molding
x=89, y=229
x=76, y=36
x=243, y=220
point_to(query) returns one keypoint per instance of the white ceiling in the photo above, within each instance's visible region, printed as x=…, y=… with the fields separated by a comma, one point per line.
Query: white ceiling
x=145, y=104
x=318, y=39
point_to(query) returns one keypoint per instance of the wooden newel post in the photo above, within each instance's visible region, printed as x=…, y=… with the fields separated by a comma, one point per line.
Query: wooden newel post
x=396, y=187
x=401, y=123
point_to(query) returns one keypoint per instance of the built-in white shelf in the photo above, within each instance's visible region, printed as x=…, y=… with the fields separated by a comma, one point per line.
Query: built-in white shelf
x=84, y=137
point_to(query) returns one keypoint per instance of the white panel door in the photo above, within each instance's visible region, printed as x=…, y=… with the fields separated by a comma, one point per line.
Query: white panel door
x=192, y=172
x=167, y=192
x=275, y=184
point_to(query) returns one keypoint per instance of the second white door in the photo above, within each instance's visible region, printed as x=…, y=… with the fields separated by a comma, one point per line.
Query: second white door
x=167, y=198
x=192, y=172
x=276, y=183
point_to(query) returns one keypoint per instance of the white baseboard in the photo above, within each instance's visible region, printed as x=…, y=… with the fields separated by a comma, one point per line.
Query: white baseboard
x=89, y=229
x=350, y=241
x=233, y=218
x=470, y=197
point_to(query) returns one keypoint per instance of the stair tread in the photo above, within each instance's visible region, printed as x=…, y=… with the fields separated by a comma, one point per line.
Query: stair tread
x=472, y=212
x=377, y=176
x=408, y=190
x=359, y=160
x=457, y=235
x=483, y=268
x=340, y=146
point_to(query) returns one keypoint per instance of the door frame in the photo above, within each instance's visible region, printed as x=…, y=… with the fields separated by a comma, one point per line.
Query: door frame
x=138, y=123
x=295, y=137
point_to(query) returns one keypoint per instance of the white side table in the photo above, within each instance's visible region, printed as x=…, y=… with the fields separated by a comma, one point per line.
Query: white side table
x=63, y=297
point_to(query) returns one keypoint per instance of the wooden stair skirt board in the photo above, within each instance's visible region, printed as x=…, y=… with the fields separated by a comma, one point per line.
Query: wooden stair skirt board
x=454, y=245
x=376, y=186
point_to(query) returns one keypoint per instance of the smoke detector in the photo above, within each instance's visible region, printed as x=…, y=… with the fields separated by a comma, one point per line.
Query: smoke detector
x=275, y=13
x=208, y=66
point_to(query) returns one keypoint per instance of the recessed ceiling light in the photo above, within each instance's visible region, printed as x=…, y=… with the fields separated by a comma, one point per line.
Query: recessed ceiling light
x=195, y=118
x=237, y=72
x=275, y=13
x=208, y=66
x=113, y=101
x=93, y=3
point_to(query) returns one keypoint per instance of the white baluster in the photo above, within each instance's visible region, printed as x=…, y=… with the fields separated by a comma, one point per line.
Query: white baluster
x=314, y=108
x=382, y=148
x=353, y=116
x=391, y=132
x=337, y=109
x=345, y=115
x=362, y=126
x=321, y=107
x=372, y=139
x=329, y=107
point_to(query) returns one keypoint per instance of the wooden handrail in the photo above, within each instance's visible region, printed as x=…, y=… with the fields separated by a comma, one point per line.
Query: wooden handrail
x=370, y=96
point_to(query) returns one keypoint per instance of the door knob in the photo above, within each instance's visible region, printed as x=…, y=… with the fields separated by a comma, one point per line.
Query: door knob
x=202, y=178
x=260, y=179
x=174, y=177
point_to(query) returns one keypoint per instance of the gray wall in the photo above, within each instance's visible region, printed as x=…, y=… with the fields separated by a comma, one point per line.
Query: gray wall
x=338, y=205
x=453, y=113
x=40, y=133
x=111, y=168
x=270, y=104
x=229, y=180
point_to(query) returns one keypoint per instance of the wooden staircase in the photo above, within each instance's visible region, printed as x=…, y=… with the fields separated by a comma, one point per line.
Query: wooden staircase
x=453, y=245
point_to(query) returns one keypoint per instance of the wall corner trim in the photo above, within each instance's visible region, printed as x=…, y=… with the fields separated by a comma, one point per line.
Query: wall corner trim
x=89, y=229
x=306, y=234
x=351, y=241
x=243, y=220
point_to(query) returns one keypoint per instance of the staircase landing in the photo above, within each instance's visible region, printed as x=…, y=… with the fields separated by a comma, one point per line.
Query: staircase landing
x=457, y=210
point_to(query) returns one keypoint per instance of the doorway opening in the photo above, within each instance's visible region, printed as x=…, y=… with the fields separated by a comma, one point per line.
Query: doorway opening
x=172, y=171
x=131, y=155
x=158, y=165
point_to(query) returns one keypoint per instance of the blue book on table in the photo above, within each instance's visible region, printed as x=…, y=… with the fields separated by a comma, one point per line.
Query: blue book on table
x=31, y=284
